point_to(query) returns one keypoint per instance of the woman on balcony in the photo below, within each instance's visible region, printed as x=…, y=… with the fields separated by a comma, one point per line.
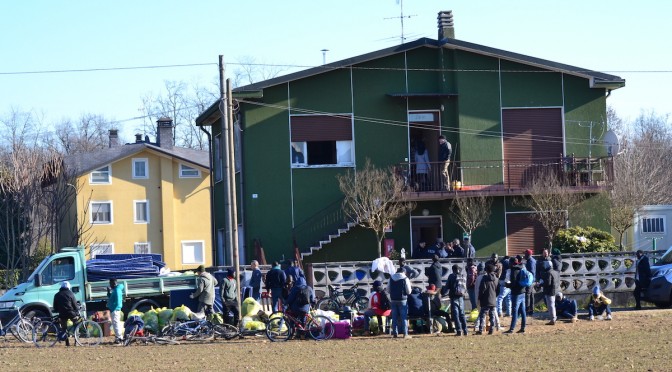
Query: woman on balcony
x=422, y=166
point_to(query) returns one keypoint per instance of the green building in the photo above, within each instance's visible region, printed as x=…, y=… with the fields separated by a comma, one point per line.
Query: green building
x=506, y=116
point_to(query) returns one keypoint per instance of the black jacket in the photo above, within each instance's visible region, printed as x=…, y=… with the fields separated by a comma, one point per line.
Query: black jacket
x=487, y=293
x=275, y=278
x=434, y=273
x=65, y=304
x=551, y=285
x=516, y=289
x=644, y=271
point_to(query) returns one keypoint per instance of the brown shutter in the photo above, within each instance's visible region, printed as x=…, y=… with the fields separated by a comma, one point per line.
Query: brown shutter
x=307, y=128
x=523, y=232
x=531, y=136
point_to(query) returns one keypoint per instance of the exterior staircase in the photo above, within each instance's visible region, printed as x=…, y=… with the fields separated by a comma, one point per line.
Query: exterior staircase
x=327, y=239
x=321, y=228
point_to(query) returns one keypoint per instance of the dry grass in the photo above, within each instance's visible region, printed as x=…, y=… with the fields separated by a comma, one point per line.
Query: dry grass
x=633, y=341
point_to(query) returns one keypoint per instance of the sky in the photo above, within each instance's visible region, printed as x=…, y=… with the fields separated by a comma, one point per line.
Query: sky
x=125, y=41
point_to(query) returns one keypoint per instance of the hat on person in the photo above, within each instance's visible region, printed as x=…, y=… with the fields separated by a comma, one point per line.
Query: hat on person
x=377, y=284
x=528, y=252
x=431, y=289
x=596, y=290
x=559, y=296
x=65, y=284
x=230, y=272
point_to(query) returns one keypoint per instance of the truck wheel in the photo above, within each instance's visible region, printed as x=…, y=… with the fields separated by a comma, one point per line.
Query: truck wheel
x=145, y=305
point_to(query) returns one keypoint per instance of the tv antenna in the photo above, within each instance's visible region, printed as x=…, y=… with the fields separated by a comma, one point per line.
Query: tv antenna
x=401, y=18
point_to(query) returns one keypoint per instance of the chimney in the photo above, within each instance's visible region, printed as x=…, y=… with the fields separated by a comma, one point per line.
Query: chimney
x=164, y=130
x=114, y=138
x=445, y=21
x=138, y=138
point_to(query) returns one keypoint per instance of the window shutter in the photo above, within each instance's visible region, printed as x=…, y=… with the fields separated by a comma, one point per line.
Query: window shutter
x=307, y=128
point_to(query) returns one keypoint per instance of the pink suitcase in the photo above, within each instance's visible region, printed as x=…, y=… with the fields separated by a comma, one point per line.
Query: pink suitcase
x=342, y=330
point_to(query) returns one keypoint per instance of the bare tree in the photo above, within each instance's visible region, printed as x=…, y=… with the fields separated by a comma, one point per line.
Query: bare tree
x=374, y=199
x=249, y=71
x=87, y=134
x=471, y=212
x=550, y=201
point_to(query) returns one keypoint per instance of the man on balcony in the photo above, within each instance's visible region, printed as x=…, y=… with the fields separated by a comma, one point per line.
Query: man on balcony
x=444, y=162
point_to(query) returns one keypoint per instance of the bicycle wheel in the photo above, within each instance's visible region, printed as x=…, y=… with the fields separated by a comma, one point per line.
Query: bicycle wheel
x=163, y=341
x=45, y=334
x=23, y=331
x=320, y=328
x=278, y=329
x=328, y=304
x=361, y=303
x=128, y=338
x=225, y=331
x=168, y=331
x=88, y=333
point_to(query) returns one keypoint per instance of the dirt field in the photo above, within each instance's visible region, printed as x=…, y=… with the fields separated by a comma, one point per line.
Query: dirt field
x=633, y=341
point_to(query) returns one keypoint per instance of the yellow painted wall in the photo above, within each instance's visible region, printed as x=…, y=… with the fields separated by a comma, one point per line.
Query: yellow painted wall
x=179, y=209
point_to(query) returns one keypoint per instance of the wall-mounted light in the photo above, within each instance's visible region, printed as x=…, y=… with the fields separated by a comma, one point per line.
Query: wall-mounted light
x=425, y=212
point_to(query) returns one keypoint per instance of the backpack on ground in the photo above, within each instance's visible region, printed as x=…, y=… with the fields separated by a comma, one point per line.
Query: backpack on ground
x=385, y=300
x=303, y=297
x=525, y=278
x=460, y=286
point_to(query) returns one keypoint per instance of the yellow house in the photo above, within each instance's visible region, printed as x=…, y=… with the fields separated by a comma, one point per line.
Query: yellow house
x=144, y=197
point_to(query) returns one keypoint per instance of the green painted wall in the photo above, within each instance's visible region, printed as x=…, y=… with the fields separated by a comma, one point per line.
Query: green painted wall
x=527, y=86
x=584, y=107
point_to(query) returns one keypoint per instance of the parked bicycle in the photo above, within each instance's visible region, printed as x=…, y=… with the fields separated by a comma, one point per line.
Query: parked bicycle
x=198, y=329
x=230, y=332
x=19, y=327
x=48, y=333
x=283, y=326
x=136, y=332
x=338, y=299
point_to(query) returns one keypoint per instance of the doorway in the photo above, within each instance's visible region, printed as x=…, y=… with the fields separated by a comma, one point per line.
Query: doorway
x=427, y=229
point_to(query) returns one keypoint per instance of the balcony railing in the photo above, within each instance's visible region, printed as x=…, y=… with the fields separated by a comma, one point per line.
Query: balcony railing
x=502, y=177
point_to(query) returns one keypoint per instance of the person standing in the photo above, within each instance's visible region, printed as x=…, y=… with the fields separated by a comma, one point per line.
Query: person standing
x=472, y=274
x=275, y=281
x=228, y=292
x=205, y=290
x=550, y=283
x=517, y=296
x=457, y=287
x=115, y=299
x=434, y=273
x=458, y=251
x=531, y=266
x=65, y=304
x=399, y=288
x=444, y=162
x=504, y=297
x=294, y=270
x=255, y=280
x=469, y=250
x=487, y=297
x=410, y=272
x=422, y=166
x=420, y=251
x=642, y=277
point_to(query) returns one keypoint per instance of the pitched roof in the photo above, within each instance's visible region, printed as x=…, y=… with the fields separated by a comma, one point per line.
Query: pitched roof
x=86, y=162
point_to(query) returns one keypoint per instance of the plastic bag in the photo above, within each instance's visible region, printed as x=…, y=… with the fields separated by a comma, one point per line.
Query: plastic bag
x=164, y=316
x=181, y=313
x=250, y=307
x=151, y=319
x=473, y=315
x=254, y=325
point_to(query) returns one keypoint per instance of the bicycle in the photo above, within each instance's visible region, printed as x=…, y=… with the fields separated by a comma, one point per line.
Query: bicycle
x=86, y=332
x=283, y=326
x=136, y=332
x=199, y=329
x=19, y=327
x=229, y=331
x=338, y=299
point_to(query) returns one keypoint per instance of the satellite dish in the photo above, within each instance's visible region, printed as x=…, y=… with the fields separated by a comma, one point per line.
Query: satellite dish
x=610, y=141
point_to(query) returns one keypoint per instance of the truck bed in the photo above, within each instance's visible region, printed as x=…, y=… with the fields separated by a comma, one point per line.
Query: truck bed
x=96, y=291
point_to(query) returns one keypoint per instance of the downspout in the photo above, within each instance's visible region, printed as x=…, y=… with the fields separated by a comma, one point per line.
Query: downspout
x=608, y=93
x=213, y=240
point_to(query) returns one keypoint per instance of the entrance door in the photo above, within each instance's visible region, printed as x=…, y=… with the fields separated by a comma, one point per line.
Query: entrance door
x=426, y=229
x=424, y=126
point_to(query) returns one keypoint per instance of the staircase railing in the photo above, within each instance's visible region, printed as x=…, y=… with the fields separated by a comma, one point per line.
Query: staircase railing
x=318, y=226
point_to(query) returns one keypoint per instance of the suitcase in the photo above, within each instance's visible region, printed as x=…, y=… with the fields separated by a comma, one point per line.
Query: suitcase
x=342, y=330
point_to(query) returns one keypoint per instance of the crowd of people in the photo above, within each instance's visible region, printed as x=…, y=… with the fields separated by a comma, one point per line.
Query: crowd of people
x=452, y=249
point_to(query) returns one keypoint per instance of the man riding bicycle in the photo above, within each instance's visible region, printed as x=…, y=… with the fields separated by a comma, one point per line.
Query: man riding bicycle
x=66, y=306
x=301, y=296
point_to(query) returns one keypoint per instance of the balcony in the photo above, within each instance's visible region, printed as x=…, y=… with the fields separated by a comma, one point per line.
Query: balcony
x=504, y=177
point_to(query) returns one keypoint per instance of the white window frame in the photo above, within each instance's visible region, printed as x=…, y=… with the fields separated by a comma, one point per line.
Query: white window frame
x=92, y=212
x=217, y=161
x=343, y=148
x=185, y=244
x=135, y=211
x=189, y=169
x=303, y=146
x=653, y=217
x=141, y=245
x=101, y=171
x=93, y=249
x=144, y=161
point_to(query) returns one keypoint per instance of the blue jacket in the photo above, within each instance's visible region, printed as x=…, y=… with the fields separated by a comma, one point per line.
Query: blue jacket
x=531, y=266
x=294, y=272
x=255, y=280
x=294, y=294
x=116, y=298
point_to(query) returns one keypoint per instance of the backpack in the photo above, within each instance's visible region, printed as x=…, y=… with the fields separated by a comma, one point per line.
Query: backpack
x=384, y=300
x=525, y=278
x=460, y=286
x=303, y=297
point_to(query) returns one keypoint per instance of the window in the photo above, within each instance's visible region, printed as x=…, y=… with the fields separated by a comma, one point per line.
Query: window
x=140, y=168
x=142, y=248
x=217, y=155
x=101, y=212
x=101, y=175
x=141, y=211
x=189, y=172
x=653, y=225
x=319, y=140
x=58, y=270
x=105, y=248
x=193, y=252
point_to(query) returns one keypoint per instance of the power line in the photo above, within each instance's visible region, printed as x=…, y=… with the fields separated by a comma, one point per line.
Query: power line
x=104, y=69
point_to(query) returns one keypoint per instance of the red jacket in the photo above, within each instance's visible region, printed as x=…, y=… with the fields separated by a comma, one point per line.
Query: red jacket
x=375, y=305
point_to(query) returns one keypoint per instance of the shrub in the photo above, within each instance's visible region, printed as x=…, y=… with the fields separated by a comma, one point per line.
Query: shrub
x=584, y=240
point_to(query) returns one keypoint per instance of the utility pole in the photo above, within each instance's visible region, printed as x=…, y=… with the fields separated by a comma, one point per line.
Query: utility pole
x=232, y=180
x=224, y=114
